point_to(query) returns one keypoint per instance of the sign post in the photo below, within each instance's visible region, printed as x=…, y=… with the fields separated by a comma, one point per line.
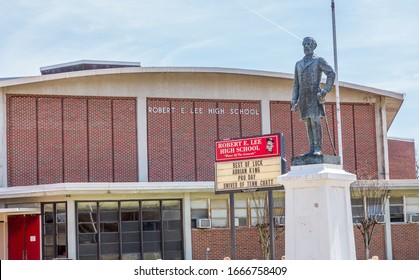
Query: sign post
x=249, y=164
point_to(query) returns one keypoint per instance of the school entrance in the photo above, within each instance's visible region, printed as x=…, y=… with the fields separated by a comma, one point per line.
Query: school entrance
x=24, y=239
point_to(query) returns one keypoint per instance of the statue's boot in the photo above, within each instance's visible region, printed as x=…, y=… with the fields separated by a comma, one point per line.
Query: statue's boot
x=317, y=136
x=310, y=138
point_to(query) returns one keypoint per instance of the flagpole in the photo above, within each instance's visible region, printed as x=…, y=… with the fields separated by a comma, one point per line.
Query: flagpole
x=338, y=119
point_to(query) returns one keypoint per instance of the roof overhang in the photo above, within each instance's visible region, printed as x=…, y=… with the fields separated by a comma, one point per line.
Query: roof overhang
x=105, y=188
x=91, y=62
x=393, y=100
x=395, y=186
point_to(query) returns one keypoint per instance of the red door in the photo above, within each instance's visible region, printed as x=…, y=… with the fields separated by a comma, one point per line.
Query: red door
x=24, y=241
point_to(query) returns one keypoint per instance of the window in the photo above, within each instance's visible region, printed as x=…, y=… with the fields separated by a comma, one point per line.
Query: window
x=109, y=230
x=372, y=207
x=279, y=206
x=259, y=208
x=199, y=210
x=150, y=213
x=258, y=211
x=396, y=209
x=240, y=211
x=249, y=210
x=219, y=215
x=357, y=210
x=130, y=230
x=54, y=230
x=172, y=230
x=88, y=238
x=279, y=210
x=412, y=209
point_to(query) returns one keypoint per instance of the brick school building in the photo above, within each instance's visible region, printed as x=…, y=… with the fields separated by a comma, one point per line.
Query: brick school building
x=111, y=160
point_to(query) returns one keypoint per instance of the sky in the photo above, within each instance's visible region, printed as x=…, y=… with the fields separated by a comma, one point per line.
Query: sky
x=377, y=40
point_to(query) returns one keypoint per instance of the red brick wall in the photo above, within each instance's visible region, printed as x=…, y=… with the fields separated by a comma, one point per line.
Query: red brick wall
x=22, y=141
x=404, y=239
x=405, y=243
x=219, y=242
x=402, y=159
x=377, y=245
x=365, y=142
x=71, y=139
x=75, y=140
x=358, y=135
x=182, y=135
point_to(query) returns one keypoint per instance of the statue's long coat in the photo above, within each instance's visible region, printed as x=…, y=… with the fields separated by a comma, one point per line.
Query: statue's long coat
x=307, y=77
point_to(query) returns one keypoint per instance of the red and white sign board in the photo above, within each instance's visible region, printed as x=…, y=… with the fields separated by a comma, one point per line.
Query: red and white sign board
x=248, y=164
x=248, y=148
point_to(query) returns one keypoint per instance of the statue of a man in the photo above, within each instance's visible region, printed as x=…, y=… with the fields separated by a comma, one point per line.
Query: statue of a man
x=309, y=96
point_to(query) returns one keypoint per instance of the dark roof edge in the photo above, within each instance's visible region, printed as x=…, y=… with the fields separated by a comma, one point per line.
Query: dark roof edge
x=85, y=61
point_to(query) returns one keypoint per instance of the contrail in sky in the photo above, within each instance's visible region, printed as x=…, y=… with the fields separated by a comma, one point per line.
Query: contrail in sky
x=269, y=20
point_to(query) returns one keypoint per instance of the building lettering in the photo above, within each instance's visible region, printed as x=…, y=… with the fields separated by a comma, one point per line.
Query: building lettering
x=201, y=111
x=216, y=111
x=161, y=110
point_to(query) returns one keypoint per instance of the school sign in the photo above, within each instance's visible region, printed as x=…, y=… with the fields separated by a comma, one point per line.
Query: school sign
x=248, y=164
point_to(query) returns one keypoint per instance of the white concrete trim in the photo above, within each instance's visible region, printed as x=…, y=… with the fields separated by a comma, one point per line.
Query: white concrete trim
x=387, y=230
x=142, y=143
x=381, y=139
x=399, y=184
x=187, y=227
x=110, y=71
x=105, y=188
x=3, y=238
x=3, y=140
x=20, y=210
x=131, y=70
x=316, y=173
x=377, y=91
x=71, y=230
x=266, y=116
x=400, y=139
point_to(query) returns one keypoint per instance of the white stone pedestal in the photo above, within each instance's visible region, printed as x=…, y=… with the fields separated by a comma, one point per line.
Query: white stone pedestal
x=318, y=216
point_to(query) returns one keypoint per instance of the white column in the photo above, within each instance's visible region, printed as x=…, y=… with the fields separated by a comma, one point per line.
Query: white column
x=187, y=227
x=142, y=146
x=3, y=141
x=382, y=140
x=318, y=216
x=266, y=116
x=3, y=238
x=387, y=230
x=71, y=230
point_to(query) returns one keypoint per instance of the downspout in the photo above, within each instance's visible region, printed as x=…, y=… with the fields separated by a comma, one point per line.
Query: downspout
x=383, y=167
x=382, y=141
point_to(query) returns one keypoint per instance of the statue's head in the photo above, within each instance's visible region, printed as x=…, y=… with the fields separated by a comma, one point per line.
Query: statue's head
x=309, y=45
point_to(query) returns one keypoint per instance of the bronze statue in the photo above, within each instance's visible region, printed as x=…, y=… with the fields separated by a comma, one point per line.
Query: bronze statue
x=309, y=96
